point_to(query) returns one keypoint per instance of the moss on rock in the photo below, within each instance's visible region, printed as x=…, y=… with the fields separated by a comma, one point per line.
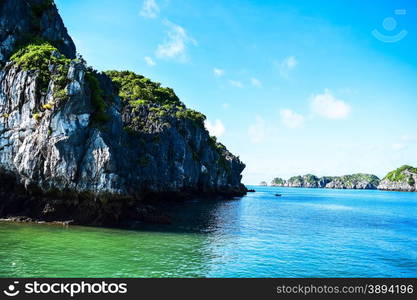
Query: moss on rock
x=39, y=56
x=399, y=174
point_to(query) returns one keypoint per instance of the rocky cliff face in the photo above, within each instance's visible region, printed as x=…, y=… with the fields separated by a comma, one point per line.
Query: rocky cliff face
x=78, y=144
x=355, y=181
x=26, y=20
x=402, y=179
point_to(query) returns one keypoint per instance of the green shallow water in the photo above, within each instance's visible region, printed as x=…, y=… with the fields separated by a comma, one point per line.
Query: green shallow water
x=304, y=233
x=46, y=250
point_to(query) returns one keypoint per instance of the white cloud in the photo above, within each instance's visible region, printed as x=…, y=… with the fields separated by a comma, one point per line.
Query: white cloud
x=175, y=44
x=149, y=61
x=287, y=65
x=291, y=119
x=257, y=131
x=215, y=129
x=149, y=9
x=236, y=83
x=408, y=138
x=255, y=82
x=218, y=72
x=327, y=106
x=398, y=146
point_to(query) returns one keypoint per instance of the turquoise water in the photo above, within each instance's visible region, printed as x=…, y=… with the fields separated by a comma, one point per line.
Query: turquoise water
x=304, y=233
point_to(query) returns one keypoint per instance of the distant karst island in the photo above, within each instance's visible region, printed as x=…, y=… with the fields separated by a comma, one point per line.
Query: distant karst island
x=401, y=179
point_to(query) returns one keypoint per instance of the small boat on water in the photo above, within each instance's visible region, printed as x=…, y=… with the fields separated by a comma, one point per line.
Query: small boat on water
x=278, y=195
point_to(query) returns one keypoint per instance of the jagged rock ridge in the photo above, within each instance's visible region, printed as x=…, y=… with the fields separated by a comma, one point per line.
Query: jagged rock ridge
x=354, y=181
x=75, y=143
x=403, y=179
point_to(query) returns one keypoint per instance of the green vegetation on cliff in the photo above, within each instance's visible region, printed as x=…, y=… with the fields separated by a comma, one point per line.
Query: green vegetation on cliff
x=136, y=90
x=399, y=174
x=277, y=181
x=359, y=177
x=133, y=87
x=38, y=56
x=298, y=179
x=310, y=178
x=97, y=97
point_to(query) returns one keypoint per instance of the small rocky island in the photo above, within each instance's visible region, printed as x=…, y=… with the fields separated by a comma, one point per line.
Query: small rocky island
x=91, y=147
x=401, y=179
x=354, y=181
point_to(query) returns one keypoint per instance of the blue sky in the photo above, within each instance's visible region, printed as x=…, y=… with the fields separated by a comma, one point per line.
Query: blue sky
x=292, y=87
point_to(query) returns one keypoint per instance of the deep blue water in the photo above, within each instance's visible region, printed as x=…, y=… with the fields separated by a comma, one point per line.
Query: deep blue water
x=331, y=233
x=304, y=233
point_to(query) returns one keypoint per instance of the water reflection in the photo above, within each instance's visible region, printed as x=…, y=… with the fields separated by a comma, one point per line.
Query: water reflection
x=303, y=233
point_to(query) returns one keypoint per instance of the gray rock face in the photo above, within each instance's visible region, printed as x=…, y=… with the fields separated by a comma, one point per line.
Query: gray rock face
x=339, y=183
x=397, y=186
x=23, y=20
x=56, y=161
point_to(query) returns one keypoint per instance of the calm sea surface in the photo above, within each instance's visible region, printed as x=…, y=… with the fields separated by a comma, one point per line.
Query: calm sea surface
x=304, y=233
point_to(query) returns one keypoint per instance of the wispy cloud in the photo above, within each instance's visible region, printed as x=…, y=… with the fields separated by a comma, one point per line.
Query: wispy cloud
x=398, y=146
x=216, y=128
x=255, y=82
x=225, y=105
x=291, y=119
x=218, y=72
x=287, y=65
x=175, y=44
x=409, y=138
x=326, y=105
x=236, y=83
x=149, y=61
x=257, y=131
x=150, y=9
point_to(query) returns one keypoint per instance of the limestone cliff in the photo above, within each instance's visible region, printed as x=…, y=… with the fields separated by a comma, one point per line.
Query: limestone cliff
x=92, y=146
x=402, y=179
x=354, y=181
